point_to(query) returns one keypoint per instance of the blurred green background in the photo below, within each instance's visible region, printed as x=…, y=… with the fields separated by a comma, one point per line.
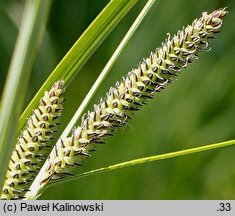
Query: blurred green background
x=197, y=109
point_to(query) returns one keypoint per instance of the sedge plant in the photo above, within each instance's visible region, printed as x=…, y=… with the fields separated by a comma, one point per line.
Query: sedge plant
x=35, y=164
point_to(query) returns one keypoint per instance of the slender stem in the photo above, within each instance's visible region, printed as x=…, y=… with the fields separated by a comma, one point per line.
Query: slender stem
x=36, y=187
x=106, y=69
x=148, y=159
x=33, y=20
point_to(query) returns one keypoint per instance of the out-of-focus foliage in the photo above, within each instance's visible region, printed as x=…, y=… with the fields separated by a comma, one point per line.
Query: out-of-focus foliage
x=197, y=109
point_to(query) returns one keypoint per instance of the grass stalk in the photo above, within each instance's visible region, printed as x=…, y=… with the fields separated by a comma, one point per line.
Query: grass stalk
x=148, y=159
x=83, y=48
x=106, y=69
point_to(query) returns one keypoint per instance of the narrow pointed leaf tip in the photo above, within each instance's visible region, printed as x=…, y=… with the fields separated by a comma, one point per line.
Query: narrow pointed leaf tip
x=33, y=145
x=152, y=75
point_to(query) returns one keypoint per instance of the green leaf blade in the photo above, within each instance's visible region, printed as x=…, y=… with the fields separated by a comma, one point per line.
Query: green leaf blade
x=84, y=47
x=35, y=15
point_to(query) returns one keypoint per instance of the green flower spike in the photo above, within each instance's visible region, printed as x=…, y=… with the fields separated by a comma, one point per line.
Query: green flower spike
x=152, y=75
x=33, y=144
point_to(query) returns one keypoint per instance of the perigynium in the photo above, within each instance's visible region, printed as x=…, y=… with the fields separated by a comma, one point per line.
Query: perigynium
x=132, y=92
x=33, y=144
